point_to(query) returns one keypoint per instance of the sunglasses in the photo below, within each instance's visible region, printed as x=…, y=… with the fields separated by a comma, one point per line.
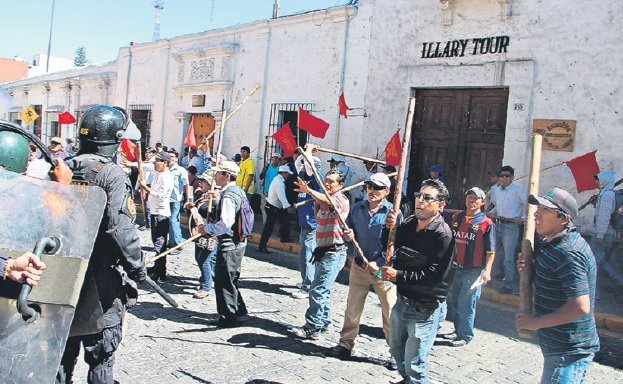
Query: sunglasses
x=373, y=186
x=505, y=175
x=425, y=196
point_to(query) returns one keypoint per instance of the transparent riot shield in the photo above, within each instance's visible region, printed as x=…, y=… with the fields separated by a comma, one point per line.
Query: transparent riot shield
x=61, y=222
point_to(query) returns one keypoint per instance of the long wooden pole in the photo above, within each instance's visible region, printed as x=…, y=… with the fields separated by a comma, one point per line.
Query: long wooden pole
x=330, y=202
x=348, y=154
x=180, y=245
x=527, y=243
x=234, y=111
x=219, y=147
x=406, y=140
x=140, y=178
x=345, y=189
x=593, y=198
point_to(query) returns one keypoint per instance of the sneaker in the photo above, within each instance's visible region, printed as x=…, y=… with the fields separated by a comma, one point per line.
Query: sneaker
x=300, y=294
x=201, y=294
x=338, y=352
x=458, y=342
x=305, y=333
x=390, y=364
x=447, y=336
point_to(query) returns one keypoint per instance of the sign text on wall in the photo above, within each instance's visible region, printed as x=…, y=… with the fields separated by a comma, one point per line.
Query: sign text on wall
x=558, y=135
x=463, y=47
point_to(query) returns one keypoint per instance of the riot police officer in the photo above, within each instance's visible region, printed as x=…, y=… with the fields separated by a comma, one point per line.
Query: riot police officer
x=107, y=291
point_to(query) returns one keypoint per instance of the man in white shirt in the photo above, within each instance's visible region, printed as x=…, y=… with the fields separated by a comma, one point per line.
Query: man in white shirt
x=277, y=205
x=180, y=188
x=160, y=210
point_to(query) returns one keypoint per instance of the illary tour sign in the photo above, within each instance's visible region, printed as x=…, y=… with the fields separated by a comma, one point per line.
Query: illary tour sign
x=465, y=47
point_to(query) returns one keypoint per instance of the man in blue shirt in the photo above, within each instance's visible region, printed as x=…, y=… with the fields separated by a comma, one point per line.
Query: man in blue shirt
x=268, y=174
x=564, y=301
x=366, y=221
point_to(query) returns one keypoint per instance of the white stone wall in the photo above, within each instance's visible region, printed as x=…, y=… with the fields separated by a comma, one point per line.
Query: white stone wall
x=561, y=64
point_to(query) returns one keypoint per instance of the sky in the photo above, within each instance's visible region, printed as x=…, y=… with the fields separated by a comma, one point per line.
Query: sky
x=103, y=26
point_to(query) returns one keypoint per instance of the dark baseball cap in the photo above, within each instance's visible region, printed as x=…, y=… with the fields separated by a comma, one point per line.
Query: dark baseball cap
x=163, y=156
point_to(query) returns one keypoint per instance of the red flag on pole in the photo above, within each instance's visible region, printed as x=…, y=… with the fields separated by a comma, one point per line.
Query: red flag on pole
x=393, y=150
x=285, y=139
x=129, y=149
x=584, y=168
x=315, y=126
x=66, y=118
x=189, y=140
x=343, y=106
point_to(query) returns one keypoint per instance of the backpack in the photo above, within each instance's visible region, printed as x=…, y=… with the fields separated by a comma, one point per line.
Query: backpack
x=243, y=226
x=616, y=219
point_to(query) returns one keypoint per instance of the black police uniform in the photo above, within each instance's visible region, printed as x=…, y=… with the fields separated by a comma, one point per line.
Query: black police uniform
x=106, y=292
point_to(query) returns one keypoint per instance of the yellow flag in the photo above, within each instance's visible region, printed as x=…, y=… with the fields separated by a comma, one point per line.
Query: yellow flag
x=28, y=115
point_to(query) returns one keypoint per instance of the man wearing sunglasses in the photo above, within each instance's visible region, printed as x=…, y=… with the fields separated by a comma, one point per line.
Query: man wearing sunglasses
x=422, y=271
x=365, y=222
x=509, y=206
x=565, y=273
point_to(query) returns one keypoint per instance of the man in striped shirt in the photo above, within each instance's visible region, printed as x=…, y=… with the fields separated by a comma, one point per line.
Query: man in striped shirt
x=329, y=255
x=564, y=301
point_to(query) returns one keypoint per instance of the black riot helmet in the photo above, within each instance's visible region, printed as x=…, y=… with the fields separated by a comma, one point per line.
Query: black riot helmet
x=14, y=151
x=101, y=130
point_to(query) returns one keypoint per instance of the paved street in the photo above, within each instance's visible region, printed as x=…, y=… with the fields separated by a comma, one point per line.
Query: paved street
x=166, y=345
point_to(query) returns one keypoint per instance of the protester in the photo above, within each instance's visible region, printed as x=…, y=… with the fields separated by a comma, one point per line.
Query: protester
x=267, y=175
x=366, y=221
x=56, y=148
x=196, y=161
x=231, y=246
x=422, y=272
x=69, y=147
x=245, y=179
x=493, y=180
x=474, y=236
x=180, y=189
x=329, y=255
x=508, y=202
x=564, y=300
x=435, y=172
x=277, y=206
x=339, y=162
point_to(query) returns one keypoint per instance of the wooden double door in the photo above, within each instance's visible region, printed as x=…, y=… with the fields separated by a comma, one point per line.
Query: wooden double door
x=463, y=131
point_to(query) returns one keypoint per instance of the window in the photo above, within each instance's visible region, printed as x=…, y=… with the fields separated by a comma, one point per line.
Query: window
x=280, y=114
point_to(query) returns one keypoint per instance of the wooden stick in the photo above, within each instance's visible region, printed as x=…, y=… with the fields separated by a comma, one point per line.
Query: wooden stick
x=593, y=198
x=406, y=140
x=233, y=112
x=544, y=169
x=330, y=203
x=180, y=245
x=527, y=243
x=348, y=154
x=345, y=189
x=141, y=191
x=219, y=146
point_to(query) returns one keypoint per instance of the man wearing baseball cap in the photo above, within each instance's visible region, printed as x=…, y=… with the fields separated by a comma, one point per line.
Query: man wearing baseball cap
x=564, y=300
x=277, y=206
x=231, y=247
x=56, y=147
x=339, y=162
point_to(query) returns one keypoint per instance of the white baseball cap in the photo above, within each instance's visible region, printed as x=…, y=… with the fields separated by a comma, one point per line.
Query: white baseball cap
x=285, y=168
x=380, y=179
x=229, y=167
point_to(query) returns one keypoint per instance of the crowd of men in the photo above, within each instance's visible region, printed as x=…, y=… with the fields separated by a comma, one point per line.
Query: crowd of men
x=439, y=265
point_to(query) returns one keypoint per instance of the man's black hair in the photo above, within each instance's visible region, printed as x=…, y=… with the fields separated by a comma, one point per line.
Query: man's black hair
x=507, y=168
x=245, y=148
x=192, y=169
x=173, y=151
x=442, y=190
x=341, y=177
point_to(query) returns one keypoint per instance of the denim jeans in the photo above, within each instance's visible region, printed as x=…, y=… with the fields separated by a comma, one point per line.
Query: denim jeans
x=506, y=241
x=602, y=257
x=318, y=315
x=206, y=261
x=411, y=338
x=443, y=313
x=175, y=228
x=463, y=302
x=566, y=369
x=307, y=244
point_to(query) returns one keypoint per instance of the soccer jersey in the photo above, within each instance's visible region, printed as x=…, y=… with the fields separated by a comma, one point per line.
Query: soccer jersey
x=474, y=237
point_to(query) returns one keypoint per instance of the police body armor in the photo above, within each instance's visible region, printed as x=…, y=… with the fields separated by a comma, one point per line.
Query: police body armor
x=34, y=210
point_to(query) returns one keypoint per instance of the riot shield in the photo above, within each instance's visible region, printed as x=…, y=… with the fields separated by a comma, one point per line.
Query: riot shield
x=54, y=218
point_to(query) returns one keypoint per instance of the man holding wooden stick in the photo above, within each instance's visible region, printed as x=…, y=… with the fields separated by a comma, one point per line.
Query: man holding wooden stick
x=330, y=253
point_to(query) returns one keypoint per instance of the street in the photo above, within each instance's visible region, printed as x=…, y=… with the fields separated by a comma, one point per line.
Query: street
x=166, y=345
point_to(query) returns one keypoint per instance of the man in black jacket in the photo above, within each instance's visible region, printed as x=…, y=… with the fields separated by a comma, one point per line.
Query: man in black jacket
x=422, y=271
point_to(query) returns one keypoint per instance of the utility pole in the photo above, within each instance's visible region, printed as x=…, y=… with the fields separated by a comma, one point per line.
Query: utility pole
x=159, y=6
x=47, y=63
x=276, y=9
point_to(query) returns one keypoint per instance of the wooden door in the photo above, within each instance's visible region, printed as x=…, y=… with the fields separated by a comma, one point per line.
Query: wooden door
x=461, y=130
x=204, y=125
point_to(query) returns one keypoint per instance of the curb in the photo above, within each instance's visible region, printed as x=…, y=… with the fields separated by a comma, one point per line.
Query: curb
x=603, y=320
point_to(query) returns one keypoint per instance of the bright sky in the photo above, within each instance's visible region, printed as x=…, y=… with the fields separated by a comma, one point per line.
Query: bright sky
x=104, y=26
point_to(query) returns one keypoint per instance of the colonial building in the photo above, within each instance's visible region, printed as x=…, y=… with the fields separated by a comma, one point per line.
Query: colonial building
x=482, y=72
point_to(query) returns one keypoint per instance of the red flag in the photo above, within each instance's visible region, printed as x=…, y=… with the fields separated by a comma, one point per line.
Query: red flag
x=393, y=150
x=315, y=126
x=189, y=140
x=343, y=106
x=66, y=118
x=129, y=149
x=285, y=139
x=584, y=168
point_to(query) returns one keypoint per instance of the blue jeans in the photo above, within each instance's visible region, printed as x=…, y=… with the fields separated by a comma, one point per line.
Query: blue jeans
x=307, y=244
x=566, y=369
x=206, y=261
x=318, y=315
x=443, y=312
x=411, y=338
x=506, y=241
x=463, y=302
x=175, y=228
x=602, y=257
